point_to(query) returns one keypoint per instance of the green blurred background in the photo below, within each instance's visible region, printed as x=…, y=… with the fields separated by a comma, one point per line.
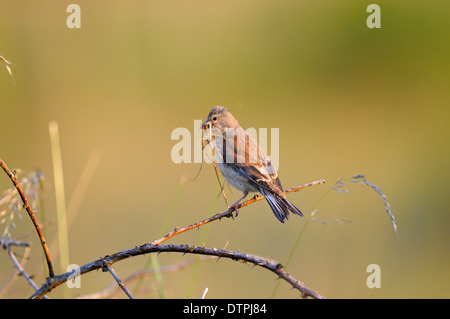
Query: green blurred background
x=347, y=100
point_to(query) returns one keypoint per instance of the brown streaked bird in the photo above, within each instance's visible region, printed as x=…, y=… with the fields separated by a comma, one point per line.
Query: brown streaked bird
x=243, y=163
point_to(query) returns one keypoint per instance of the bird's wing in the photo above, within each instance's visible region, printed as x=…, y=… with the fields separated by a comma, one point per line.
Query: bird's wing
x=251, y=160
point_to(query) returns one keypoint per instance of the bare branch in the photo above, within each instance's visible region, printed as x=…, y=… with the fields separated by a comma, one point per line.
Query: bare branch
x=30, y=212
x=185, y=249
x=228, y=213
x=6, y=244
x=20, y=269
x=117, y=279
x=106, y=262
x=155, y=246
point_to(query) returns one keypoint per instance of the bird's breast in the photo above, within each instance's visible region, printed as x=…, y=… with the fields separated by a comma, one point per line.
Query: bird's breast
x=235, y=178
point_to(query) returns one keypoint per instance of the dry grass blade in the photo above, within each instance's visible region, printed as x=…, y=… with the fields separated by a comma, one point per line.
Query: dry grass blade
x=61, y=211
x=8, y=68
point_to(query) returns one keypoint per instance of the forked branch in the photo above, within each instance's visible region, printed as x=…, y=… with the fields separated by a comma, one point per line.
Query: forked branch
x=155, y=246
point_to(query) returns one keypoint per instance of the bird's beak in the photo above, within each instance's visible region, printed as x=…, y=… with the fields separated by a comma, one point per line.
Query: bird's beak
x=206, y=125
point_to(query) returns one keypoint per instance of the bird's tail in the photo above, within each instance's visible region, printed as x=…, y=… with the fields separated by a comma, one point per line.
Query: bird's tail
x=280, y=206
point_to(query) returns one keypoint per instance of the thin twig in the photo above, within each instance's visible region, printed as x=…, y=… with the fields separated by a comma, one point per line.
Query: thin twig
x=117, y=279
x=112, y=287
x=6, y=243
x=20, y=271
x=30, y=212
x=228, y=213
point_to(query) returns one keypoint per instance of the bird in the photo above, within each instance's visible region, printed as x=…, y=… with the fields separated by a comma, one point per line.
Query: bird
x=243, y=163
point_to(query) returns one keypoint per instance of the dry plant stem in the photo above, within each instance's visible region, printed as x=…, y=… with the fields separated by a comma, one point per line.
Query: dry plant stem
x=8, y=68
x=30, y=212
x=185, y=249
x=229, y=212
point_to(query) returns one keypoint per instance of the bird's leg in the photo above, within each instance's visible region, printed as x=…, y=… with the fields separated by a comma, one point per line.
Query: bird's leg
x=235, y=205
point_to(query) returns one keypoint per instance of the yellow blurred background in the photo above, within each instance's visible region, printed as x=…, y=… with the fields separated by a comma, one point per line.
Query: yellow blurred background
x=347, y=100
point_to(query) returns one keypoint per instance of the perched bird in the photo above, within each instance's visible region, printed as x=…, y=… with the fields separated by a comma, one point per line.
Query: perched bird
x=243, y=163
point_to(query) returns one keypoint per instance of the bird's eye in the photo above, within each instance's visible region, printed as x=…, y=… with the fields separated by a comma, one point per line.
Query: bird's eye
x=214, y=118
